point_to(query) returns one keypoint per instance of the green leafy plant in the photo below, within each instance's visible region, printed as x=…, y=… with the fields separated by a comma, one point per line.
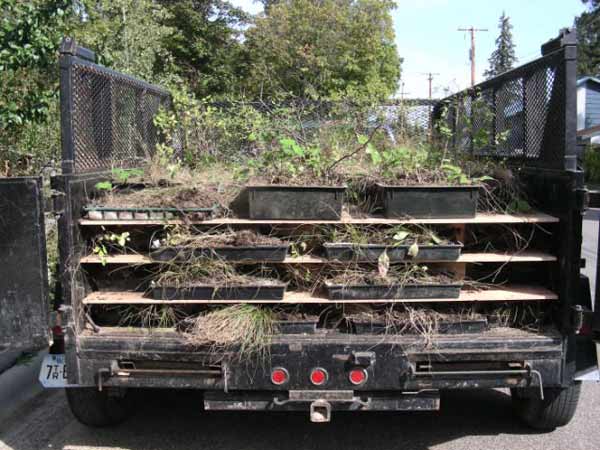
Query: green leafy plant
x=124, y=175
x=104, y=186
x=105, y=241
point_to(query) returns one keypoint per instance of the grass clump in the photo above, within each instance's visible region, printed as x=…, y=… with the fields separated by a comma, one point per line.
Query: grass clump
x=207, y=271
x=247, y=328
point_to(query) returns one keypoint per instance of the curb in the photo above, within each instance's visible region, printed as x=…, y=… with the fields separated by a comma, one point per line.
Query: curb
x=19, y=384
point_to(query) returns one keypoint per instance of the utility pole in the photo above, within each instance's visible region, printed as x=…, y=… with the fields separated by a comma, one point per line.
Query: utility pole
x=472, y=30
x=430, y=76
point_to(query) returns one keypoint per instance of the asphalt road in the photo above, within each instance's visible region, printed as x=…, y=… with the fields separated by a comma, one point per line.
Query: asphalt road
x=468, y=420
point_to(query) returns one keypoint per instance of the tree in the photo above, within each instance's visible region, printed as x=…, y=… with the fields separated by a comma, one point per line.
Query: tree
x=503, y=57
x=324, y=49
x=204, y=47
x=127, y=35
x=30, y=33
x=588, y=35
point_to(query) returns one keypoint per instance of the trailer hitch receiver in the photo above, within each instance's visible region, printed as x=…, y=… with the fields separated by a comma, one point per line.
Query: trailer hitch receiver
x=320, y=411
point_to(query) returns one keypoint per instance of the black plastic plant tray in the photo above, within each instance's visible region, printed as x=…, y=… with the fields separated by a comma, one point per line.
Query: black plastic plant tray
x=429, y=202
x=447, y=252
x=150, y=213
x=300, y=326
x=208, y=292
x=366, y=252
x=392, y=292
x=371, y=252
x=444, y=327
x=270, y=253
x=281, y=202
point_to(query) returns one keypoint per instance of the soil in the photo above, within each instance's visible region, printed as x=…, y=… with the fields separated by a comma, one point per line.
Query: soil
x=394, y=277
x=242, y=238
x=174, y=196
x=297, y=180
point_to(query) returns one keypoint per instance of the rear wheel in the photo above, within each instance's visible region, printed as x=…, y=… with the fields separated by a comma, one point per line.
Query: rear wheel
x=555, y=410
x=97, y=409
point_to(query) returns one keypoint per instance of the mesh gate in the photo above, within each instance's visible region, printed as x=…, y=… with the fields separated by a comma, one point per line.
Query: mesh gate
x=107, y=117
x=526, y=115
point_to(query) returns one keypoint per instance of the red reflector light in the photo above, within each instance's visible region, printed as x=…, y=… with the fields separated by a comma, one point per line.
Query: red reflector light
x=279, y=376
x=318, y=376
x=358, y=376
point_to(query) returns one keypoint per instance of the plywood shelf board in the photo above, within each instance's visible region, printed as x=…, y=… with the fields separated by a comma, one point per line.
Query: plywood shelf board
x=488, y=257
x=482, y=219
x=504, y=294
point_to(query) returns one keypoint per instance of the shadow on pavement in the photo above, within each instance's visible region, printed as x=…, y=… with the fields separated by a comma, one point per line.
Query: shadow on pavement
x=175, y=420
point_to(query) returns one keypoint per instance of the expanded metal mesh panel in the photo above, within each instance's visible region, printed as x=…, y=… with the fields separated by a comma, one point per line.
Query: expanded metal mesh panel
x=112, y=118
x=516, y=116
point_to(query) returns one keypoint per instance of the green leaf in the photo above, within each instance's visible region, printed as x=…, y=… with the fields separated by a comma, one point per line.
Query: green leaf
x=375, y=155
x=104, y=186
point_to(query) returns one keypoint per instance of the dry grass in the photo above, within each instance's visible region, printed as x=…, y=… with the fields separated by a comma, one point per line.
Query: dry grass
x=209, y=271
x=247, y=329
x=179, y=236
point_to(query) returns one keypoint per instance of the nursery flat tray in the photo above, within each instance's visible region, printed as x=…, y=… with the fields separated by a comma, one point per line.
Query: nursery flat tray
x=429, y=201
x=371, y=252
x=263, y=253
x=392, y=292
x=208, y=292
x=343, y=251
x=444, y=327
x=295, y=202
x=297, y=326
x=150, y=213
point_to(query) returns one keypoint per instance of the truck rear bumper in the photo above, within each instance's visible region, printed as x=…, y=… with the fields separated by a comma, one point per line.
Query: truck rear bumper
x=498, y=358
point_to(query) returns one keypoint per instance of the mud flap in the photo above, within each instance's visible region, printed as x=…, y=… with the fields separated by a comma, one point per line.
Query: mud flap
x=24, y=307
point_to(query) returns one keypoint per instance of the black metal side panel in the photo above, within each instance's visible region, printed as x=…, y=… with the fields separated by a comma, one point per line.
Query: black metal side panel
x=24, y=304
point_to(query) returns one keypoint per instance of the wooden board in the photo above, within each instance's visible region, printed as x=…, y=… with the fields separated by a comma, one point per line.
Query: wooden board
x=524, y=256
x=346, y=219
x=503, y=294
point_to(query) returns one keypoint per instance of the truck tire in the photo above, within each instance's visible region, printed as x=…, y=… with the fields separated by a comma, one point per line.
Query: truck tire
x=556, y=410
x=97, y=409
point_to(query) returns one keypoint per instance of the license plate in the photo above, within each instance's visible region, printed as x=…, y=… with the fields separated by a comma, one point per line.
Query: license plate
x=53, y=373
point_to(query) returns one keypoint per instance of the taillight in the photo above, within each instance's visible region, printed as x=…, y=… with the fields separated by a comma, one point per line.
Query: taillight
x=318, y=376
x=358, y=376
x=279, y=376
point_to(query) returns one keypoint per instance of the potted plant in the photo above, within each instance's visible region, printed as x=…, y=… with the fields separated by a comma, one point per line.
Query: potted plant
x=411, y=282
x=242, y=245
x=400, y=243
x=422, y=183
x=210, y=279
x=294, y=182
x=184, y=194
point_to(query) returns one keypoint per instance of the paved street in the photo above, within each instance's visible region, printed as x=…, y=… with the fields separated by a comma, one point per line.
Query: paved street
x=470, y=420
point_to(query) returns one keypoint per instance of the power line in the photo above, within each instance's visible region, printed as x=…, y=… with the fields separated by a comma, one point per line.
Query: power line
x=430, y=76
x=472, y=30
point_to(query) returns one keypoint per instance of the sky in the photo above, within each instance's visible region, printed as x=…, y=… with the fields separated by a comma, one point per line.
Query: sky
x=428, y=40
